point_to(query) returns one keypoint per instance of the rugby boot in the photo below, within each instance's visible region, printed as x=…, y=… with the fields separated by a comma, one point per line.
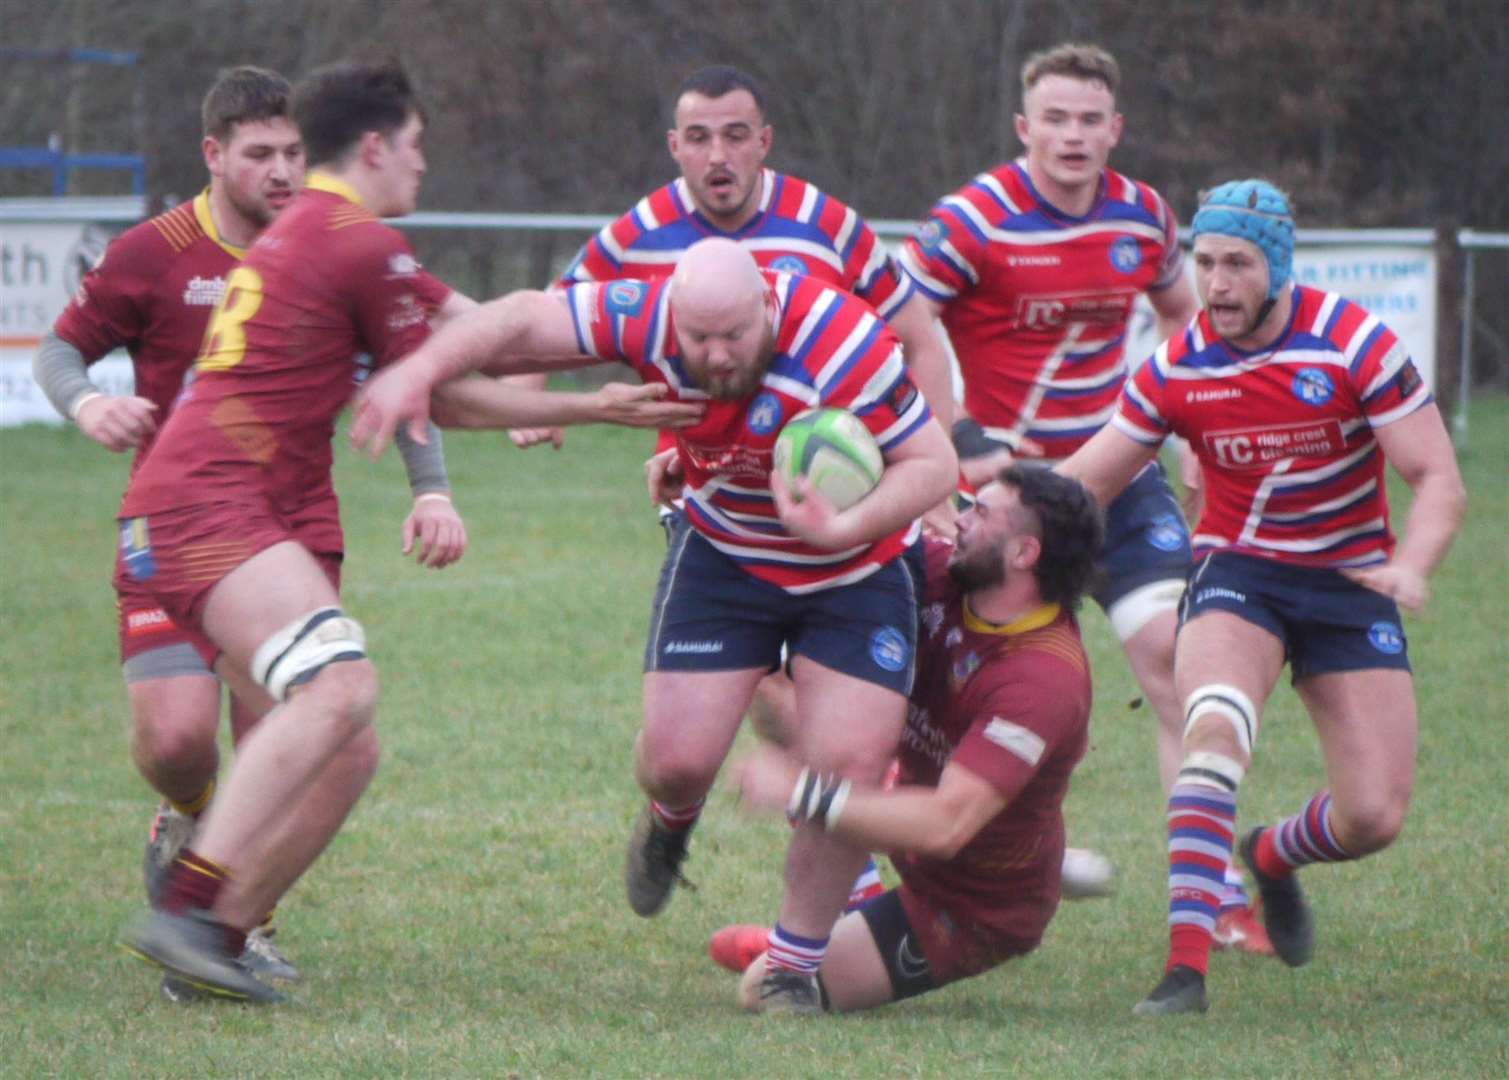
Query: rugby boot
x=736, y=947
x=790, y=992
x=170, y=832
x=652, y=867
x=1182, y=990
x=1286, y=913
x=191, y=948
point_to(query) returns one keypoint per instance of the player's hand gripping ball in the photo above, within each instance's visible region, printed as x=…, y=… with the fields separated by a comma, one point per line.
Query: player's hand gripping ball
x=835, y=452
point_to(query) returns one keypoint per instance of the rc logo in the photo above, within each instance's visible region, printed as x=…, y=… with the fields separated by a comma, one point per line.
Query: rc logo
x=625, y=298
x=1386, y=638
x=789, y=264
x=888, y=648
x=764, y=414
x=1126, y=255
x=1313, y=386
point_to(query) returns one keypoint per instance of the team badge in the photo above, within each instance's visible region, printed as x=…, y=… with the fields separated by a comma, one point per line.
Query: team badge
x=136, y=549
x=626, y=298
x=1166, y=533
x=931, y=234
x=1126, y=255
x=1313, y=386
x=789, y=264
x=764, y=414
x=1386, y=638
x=965, y=666
x=888, y=648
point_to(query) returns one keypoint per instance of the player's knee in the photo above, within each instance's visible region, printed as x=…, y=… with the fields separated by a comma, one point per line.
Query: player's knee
x=173, y=735
x=348, y=692
x=1371, y=824
x=299, y=652
x=675, y=778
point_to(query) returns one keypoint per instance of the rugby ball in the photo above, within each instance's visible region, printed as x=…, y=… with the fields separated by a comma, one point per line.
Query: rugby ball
x=835, y=452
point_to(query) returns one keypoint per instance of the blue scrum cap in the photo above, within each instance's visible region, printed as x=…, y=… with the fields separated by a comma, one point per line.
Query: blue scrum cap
x=1255, y=211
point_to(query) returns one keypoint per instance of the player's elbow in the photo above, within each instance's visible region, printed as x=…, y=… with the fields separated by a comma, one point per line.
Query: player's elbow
x=946, y=841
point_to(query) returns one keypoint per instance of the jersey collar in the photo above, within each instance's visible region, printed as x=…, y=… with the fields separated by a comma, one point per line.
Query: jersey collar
x=320, y=181
x=207, y=223
x=1035, y=619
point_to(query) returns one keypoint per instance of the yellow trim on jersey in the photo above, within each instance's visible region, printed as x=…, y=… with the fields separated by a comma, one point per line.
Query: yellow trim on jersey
x=207, y=223
x=1035, y=619
x=325, y=182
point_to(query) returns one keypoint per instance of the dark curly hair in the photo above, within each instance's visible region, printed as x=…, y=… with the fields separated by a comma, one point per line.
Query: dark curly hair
x=714, y=82
x=1068, y=522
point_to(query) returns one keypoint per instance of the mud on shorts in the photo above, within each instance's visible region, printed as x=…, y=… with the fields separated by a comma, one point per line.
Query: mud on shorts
x=710, y=614
x=1327, y=622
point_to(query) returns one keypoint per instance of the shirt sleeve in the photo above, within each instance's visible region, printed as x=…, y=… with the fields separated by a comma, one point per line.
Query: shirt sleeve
x=1171, y=266
x=1141, y=410
x=113, y=302
x=389, y=293
x=945, y=257
x=1018, y=722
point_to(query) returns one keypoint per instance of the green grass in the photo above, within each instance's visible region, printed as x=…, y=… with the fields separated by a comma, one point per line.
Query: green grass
x=469, y=920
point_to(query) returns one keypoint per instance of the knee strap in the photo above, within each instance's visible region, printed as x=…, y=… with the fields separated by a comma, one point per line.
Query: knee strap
x=297, y=653
x=1223, y=700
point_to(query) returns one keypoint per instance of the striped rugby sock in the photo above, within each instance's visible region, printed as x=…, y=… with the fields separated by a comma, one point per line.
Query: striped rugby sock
x=1300, y=840
x=795, y=953
x=1201, y=821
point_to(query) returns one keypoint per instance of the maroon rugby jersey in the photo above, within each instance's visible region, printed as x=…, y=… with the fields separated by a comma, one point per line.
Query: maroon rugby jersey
x=1012, y=705
x=152, y=295
x=322, y=285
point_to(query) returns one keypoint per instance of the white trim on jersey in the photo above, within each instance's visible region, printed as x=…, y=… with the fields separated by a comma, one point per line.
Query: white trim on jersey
x=1074, y=423
x=808, y=205
x=846, y=230
x=809, y=325
x=992, y=183
x=1135, y=433
x=844, y=355
x=1415, y=401
x=807, y=395
x=1338, y=503
x=820, y=252
x=1388, y=368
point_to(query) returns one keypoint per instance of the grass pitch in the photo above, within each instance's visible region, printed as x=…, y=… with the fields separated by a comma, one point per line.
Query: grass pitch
x=470, y=921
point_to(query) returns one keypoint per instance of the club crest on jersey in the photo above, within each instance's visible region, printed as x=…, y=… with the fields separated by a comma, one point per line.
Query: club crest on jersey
x=931, y=234
x=888, y=648
x=402, y=264
x=789, y=264
x=1313, y=386
x=764, y=414
x=1126, y=255
x=1386, y=638
x=136, y=549
x=1166, y=533
x=625, y=298
x=964, y=667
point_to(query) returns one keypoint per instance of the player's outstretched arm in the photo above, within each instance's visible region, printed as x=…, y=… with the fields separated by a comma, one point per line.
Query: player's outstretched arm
x=1107, y=463
x=1420, y=450
x=498, y=336
x=931, y=821
x=482, y=402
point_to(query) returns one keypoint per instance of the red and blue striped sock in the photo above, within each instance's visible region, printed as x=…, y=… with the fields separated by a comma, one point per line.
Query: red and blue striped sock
x=1201, y=821
x=795, y=953
x=1300, y=840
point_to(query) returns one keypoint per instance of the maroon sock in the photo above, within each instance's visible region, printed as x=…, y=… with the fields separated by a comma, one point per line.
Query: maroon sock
x=193, y=882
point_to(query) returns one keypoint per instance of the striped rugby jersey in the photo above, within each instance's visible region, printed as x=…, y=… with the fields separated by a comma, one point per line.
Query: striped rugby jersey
x=830, y=349
x=797, y=229
x=1285, y=435
x=1036, y=303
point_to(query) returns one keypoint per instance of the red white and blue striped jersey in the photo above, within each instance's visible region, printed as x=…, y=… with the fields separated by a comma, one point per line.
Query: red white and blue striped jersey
x=1285, y=435
x=798, y=229
x=1037, y=303
x=830, y=349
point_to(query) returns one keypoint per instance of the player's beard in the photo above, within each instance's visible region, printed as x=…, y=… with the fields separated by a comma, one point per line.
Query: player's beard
x=979, y=568
x=257, y=210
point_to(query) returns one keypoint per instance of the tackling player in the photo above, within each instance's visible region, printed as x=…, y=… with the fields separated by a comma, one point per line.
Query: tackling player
x=152, y=294
x=749, y=568
x=997, y=720
x=209, y=524
x=1293, y=399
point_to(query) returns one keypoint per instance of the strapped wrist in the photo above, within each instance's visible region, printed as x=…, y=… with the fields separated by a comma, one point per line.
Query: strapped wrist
x=80, y=401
